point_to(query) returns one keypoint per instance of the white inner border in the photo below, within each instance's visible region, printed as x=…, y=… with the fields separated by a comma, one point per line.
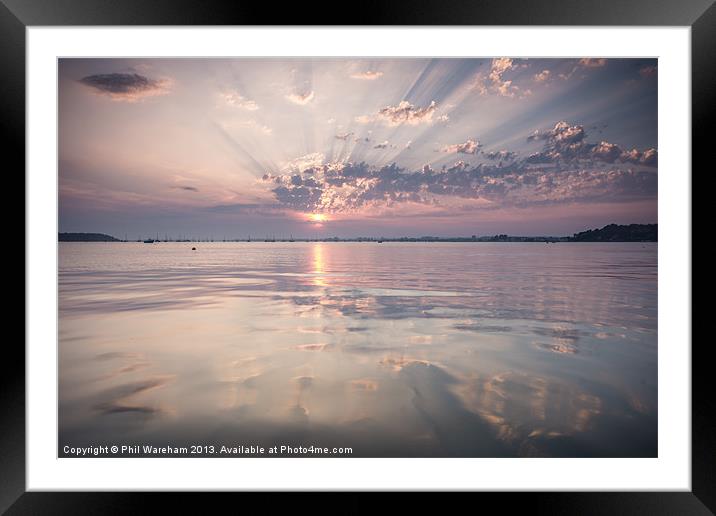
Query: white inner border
x=671, y=471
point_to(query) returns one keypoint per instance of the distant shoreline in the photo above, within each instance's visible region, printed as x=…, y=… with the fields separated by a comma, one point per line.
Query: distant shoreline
x=513, y=240
x=609, y=233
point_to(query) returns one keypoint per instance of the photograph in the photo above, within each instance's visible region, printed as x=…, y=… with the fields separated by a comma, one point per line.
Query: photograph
x=339, y=257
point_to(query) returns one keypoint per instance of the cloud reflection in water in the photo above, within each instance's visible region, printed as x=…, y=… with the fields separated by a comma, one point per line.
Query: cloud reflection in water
x=395, y=350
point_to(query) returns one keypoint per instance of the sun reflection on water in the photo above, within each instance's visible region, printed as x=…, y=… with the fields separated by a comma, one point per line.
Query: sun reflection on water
x=429, y=350
x=319, y=278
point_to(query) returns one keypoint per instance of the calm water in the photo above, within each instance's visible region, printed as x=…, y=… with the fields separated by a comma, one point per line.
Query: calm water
x=393, y=349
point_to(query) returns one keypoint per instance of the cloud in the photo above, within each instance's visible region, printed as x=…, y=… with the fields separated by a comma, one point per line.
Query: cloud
x=502, y=155
x=561, y=133
x=648, y=71
x=187, y=188
x=469, y=147
x=567, y=169
x=404, y=113
x=235, y=99
x=367, y=75
x=543, y=76
x=301, y=99
x=499, y=67
x=126, y=87
x=567, y=144
x=649, y=157
x=307, y=161
x=567, y=134
x=350, y=187
x=589, y=62
x=495, y=82
x=607, y=152
x=583, y=63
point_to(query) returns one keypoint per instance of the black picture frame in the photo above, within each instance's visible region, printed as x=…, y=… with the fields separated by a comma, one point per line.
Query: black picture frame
x=16, y=15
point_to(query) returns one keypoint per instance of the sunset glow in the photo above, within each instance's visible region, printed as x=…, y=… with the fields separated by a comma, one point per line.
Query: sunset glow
x=385, y=146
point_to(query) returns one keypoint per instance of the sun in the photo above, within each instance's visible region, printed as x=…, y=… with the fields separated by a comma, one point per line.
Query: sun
x=317, y=217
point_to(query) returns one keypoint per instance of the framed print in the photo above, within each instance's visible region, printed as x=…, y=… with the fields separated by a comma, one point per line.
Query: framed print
x=438, y=252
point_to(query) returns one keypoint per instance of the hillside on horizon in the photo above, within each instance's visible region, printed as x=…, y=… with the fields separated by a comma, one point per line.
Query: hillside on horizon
x=617, y=233
x=87, y=237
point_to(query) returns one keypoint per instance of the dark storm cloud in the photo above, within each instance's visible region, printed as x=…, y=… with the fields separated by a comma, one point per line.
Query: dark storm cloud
x=125, y=86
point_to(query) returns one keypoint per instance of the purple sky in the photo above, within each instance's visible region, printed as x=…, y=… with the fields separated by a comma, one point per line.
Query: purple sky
x=356, y=147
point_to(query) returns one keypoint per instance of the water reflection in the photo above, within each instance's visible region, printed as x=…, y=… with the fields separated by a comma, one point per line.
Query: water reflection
x=394, y=350
x=318, y=280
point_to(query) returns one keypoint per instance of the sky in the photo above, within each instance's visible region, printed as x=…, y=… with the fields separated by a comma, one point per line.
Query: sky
x=313, y=148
